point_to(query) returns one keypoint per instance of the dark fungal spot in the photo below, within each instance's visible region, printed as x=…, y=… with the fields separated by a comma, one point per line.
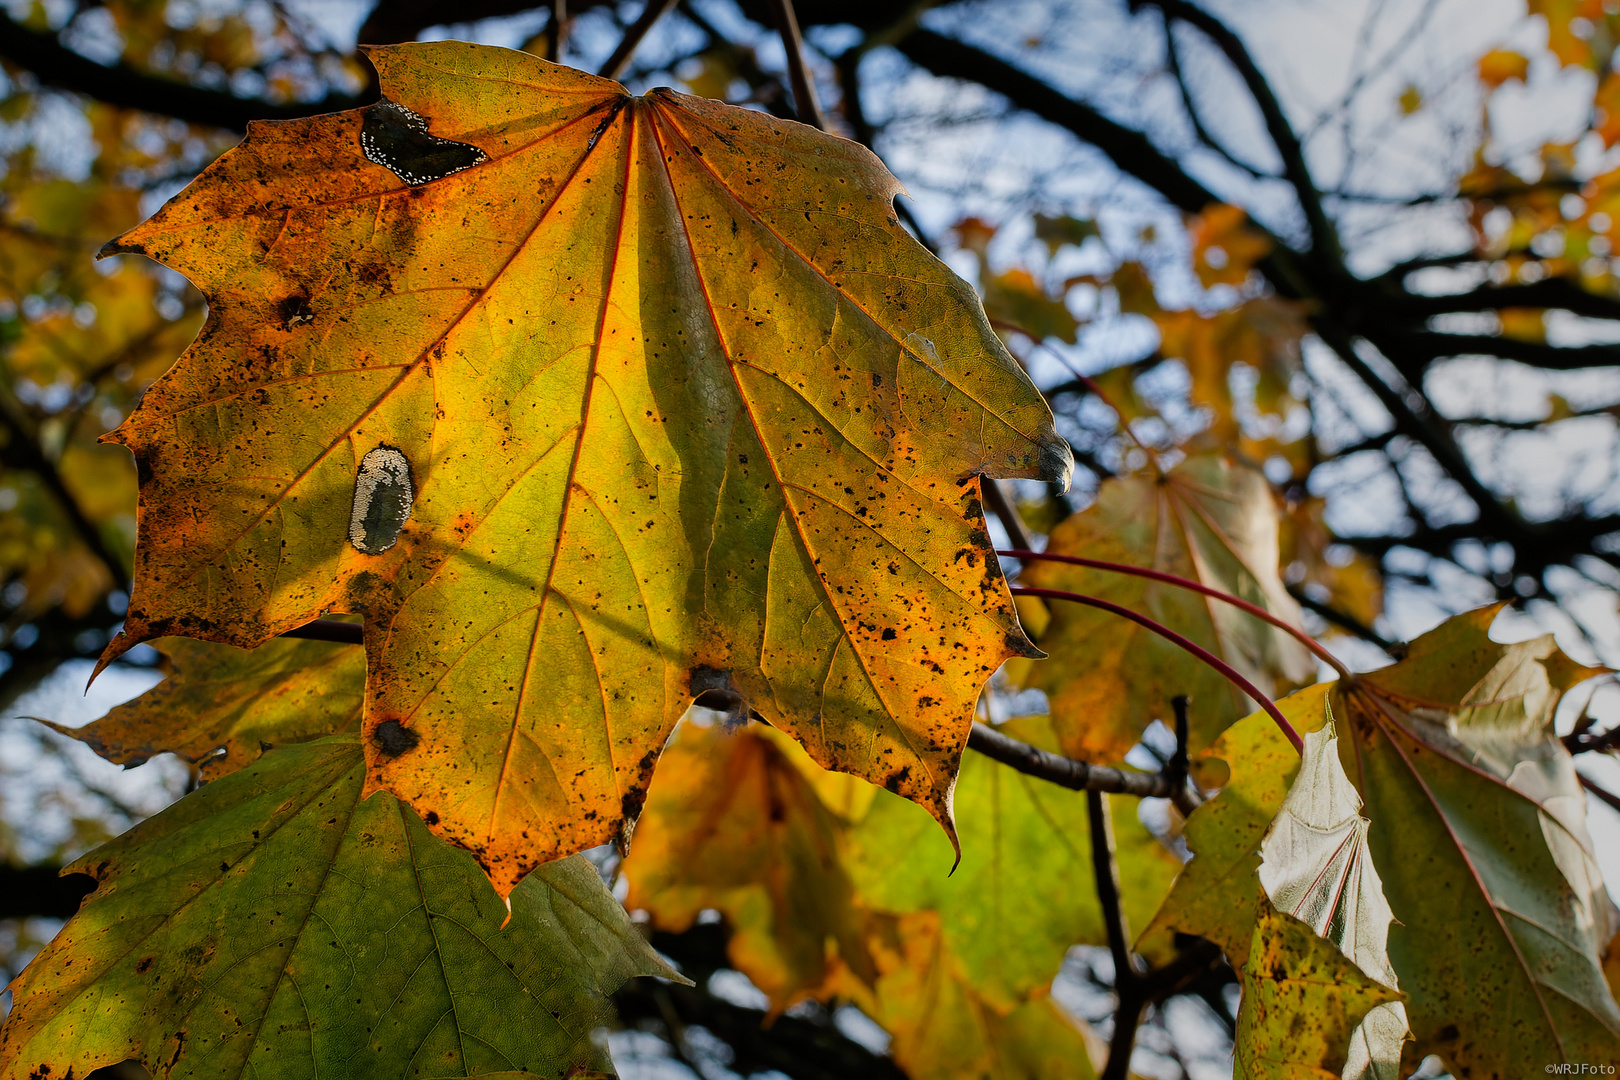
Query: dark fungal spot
x=383, y=494
x=295, y=311
x=394, y=738
x=397, y=139
x=431, y=817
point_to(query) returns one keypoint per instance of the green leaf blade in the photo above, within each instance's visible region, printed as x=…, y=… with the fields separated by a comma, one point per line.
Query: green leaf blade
x=277, y=924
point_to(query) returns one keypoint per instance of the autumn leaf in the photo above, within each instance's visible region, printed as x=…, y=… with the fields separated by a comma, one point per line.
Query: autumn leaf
x=1056, y=231
x=220, y=698
x=1314, y=862
x=1008, y=931
x=589, y=404
x=1225, y=246
x=1501, y=918
x=1214, y=897
x=733, y=825
x=1503, y=65
x=1015, y=300
x=944, y=1030
x=276, y=918
x=1208, y=520
x=1303, y=1000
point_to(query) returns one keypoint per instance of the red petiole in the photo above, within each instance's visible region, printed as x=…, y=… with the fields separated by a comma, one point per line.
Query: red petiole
x=1171, y=636
x=1192, y=586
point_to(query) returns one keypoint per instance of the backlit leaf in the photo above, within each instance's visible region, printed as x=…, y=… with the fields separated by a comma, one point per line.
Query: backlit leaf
x=665, y=401
x=1479, y=836
x=1024, y=892
x=732, y=824
x=1314, y=862
x=1302, y=1001
x=1208, y=520
x=943, y=1029
x=277, y=923
x=1215, y=895
x=220, y=697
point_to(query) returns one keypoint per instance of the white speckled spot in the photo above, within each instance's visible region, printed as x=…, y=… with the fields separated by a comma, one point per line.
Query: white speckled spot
x=383, y=494
x=397, y=139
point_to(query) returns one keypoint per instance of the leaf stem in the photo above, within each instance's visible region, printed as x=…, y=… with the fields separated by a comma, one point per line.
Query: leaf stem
x=1231, y=675
x=1186, y=583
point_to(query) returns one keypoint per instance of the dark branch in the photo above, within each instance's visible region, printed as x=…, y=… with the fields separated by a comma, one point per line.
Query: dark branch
x=1548, y=293
x=21, y=451
x=1130, y=150
x=1413, y=350
x=1324, y=238
x=805, y=103
x=616, y=64
x=59, y=66
x=1065, y=772
x=1342, y=620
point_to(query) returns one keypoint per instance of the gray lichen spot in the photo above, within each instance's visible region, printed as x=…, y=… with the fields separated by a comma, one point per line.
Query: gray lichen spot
x=383, y=494
x=397, y=138
x=923, y=349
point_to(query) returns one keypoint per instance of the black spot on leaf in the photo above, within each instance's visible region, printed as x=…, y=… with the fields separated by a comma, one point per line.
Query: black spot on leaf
x=394, y=738
x=397, y=139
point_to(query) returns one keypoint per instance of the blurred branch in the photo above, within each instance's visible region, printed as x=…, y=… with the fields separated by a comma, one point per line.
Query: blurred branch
x=1173, y=58
x=122, y=85
x=805, y=103
x=620, y=60
x=805, y=1045
x=1548, y=293
x=1413, y=350
x=21, y=451
x=1324, y=237
x=1129, y=149
x=1342, y=620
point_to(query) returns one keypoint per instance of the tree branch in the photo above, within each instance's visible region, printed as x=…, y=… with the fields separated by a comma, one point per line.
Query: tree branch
x=1412, y=351
x=124, y=86
x=1072, y=774
x=805, y=103
x=22, y=452
x=1548, y=293
x=1129, y=149
x=653, y=11
x=1324, y=237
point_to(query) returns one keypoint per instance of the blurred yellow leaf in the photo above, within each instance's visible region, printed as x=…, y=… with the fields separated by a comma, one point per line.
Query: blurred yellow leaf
x=1502, y=65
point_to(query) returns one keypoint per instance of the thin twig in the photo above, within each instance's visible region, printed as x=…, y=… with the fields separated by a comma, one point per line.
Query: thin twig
x=1065, y=772
x=1600, y=791
x=805, y=104
x=559, y=31
x=996, y=496
x=1127, y=972
x=1186, y=583
x=620, y=59
x=1343, y=620
x=1226, y=670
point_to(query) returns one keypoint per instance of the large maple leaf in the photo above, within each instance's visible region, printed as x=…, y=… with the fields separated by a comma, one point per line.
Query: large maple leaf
x=589, y=403
x=1501, y=923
